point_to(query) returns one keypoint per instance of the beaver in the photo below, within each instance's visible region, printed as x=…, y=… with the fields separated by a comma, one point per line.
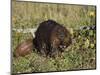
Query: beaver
x=24, y=48
x=51, y=38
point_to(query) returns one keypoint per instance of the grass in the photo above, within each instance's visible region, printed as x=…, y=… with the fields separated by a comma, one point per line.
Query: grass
x=81, y=54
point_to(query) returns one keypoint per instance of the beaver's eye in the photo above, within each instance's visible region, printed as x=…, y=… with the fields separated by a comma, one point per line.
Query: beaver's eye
x=61, y=36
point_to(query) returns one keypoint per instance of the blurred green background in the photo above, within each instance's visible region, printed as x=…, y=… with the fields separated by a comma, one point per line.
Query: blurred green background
x=81, y=54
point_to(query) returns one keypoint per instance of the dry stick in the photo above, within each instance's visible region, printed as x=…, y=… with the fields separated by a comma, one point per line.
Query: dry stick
x=28, y=30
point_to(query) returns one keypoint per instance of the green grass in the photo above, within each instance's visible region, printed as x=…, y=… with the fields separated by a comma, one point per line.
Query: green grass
x=80, y=54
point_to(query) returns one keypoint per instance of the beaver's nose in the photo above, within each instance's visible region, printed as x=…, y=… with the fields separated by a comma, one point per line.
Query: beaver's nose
x=62, y=46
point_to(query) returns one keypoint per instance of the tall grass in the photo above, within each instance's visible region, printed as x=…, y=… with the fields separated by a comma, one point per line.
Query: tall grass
x=31, y=14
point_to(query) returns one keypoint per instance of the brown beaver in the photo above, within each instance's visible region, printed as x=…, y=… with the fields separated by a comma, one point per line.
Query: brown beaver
x=51, y=38
x=24, y=48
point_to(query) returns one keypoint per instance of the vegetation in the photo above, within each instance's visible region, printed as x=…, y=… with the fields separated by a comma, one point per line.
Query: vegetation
x=81, y=54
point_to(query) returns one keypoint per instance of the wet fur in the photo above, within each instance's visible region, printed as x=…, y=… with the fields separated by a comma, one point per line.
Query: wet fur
x=50, y=38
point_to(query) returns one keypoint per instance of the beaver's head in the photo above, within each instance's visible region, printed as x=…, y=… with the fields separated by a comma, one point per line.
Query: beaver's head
x=65, y=38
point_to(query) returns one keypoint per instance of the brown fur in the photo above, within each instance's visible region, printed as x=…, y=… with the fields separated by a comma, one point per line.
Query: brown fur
x=51, y=38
